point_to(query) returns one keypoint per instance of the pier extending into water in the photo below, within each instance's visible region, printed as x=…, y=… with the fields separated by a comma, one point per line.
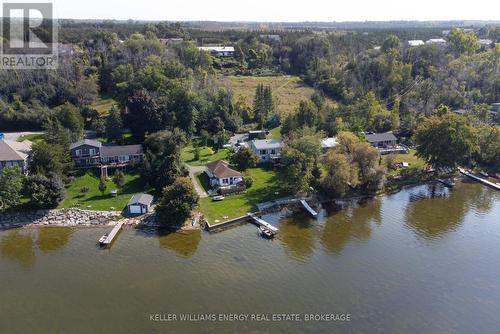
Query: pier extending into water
x=479, y=179
x=111, y=236
x=306, y=206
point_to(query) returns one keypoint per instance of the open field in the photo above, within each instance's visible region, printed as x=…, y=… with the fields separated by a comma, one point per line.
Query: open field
x=411, y=158
x=265, y=186
x=187, y=155
x=288, y=90
x=93, y=199
x=103, y=104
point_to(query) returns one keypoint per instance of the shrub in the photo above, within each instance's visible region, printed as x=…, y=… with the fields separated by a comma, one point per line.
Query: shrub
x=248, y=181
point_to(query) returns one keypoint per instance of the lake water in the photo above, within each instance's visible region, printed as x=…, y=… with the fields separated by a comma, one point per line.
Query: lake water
x=423, y=260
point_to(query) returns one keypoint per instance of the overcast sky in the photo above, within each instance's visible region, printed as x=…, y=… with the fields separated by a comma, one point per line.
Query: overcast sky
x=279, y=10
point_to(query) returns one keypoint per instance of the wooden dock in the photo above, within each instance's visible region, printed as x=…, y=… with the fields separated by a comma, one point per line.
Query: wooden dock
x=306, y=206
x=111, y=236
x=263, y=223
x=478, y=179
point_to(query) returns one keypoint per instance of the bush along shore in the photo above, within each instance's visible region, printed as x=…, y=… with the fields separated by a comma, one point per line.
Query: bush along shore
x=59, y=217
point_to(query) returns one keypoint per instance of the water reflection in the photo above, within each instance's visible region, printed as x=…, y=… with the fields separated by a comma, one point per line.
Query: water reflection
x=54, y=238
x=18, y=247
x=183, y=243
x=298, y=236
x=433, y=210
x=353, y=222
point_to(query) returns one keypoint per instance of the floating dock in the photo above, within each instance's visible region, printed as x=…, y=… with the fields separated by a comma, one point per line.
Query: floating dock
x=111, y=236
x=306, y=206
x=478, y=179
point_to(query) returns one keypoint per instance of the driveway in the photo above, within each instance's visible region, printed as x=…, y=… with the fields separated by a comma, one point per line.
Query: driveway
x=13, y=136
x=192, y=171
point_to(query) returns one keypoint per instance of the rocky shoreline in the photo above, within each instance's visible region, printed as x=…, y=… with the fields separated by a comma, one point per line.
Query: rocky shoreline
x=59, y=217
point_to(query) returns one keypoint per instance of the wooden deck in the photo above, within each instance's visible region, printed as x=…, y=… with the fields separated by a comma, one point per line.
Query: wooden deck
x=114, y=232
x=478, y=179
x=306, y=206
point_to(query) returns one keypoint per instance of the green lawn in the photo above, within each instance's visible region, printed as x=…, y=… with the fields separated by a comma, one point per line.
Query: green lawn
x=34, y=138
x=94, y=199
x=265, y=184
x=103, y=104
x=275, y=133
x=411, y=158
x=187, y=155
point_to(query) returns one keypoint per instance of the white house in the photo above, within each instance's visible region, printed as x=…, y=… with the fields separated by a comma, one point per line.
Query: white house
x=221, y=175
x=267, y=150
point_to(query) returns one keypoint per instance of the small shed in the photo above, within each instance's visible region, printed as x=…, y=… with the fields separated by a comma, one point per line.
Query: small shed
x=139, y=204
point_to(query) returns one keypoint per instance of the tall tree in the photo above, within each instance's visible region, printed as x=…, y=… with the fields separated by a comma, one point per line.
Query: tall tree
x=114, y=124
x=176, y=202
x=445, y=141
x=11, y=185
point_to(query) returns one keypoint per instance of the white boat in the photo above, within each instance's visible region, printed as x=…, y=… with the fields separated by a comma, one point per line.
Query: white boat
x=265, y=232
x=103, y=239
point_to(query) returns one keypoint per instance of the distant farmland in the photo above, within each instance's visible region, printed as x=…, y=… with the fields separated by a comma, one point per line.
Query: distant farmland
x=288, y=90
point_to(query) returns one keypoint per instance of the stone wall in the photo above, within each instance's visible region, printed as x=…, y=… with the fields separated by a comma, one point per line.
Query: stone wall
x=58, y=217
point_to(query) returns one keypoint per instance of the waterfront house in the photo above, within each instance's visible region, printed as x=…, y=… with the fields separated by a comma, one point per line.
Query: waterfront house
x=89, y=153
x=139, y=204
x=219, y=51
x=13, y=153
x=267, y=150
x=221, y=175
x=382, y=140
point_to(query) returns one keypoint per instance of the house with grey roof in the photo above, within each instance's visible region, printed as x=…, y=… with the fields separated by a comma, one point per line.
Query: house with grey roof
x=382, y=140
x=89, y=153
x=267, y=150
x=139, y=204
x=13, y=153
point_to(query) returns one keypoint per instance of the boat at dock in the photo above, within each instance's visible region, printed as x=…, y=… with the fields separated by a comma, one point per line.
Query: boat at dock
x=266, y=233
x=103, y=239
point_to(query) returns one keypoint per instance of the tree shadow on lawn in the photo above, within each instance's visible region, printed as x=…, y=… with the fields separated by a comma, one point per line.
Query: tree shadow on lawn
x=204, y=181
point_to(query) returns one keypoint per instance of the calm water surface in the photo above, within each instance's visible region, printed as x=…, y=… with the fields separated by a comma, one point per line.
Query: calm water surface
x=424, y=260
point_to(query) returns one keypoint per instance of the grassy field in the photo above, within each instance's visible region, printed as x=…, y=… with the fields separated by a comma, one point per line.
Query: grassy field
x=411, y=158
x=94, y=199
x=187, y=155
x=103, y=104
x=288, y=90
x=264, y=188
x=34, y=138
x=275, y=133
